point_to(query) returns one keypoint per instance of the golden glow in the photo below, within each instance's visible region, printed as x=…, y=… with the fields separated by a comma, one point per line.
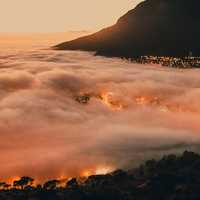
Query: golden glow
x=116, y=103
x=103, y=170
x=141, y=100
x=86, y=173
x=100, y=170
x=144, y=100
x=109, y=99
x=162, y=105
x=12, y=179
x=37, y=40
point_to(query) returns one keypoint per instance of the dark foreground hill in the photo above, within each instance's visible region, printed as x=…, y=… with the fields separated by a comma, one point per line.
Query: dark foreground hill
x=154, y=27
x=170, y=178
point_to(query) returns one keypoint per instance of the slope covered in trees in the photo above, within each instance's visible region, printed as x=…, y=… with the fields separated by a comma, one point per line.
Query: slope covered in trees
x=170, y=178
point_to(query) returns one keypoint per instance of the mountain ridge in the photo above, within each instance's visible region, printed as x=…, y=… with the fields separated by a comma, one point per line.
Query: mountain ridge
x=153, y=27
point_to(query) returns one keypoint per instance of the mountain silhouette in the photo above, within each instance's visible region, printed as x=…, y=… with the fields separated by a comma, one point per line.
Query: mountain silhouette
x=153, y=27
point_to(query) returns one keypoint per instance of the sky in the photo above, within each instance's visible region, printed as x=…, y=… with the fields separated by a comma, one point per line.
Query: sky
x=60, y=15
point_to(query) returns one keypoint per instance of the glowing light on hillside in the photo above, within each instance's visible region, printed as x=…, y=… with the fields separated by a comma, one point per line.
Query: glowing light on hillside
x=103, y=170
x=86, y=173
x=12, y=179
x=109, y=99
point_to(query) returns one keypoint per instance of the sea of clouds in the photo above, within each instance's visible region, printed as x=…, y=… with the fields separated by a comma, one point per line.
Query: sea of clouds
x=46, y=133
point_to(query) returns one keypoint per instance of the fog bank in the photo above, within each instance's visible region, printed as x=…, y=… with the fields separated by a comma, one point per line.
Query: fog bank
x=134, y=112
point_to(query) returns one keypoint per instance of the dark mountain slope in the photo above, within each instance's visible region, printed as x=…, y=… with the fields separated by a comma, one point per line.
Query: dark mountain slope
x=170, y=178
x=154, y=27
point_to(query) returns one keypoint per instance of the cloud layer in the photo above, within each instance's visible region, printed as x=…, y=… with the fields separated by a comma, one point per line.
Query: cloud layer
x=46, y=133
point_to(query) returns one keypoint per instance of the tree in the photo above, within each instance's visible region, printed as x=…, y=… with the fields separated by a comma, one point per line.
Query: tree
x=72, y=183
x=4, y=186
x=51, y=185
x=23, y=182
x=39, y=187
x=7, y=186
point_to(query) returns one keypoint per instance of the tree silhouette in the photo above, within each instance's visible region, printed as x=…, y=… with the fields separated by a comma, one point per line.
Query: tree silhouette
x=23, y=182
x=7, y=186
x=173, y=177
x=4, y=186
x=72, y=183
x=51, y=185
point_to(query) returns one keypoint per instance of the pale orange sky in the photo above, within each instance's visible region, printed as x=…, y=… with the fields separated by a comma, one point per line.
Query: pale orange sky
x=60, y=15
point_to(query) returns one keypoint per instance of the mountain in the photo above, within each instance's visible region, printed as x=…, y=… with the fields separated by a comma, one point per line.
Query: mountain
x=154, y=27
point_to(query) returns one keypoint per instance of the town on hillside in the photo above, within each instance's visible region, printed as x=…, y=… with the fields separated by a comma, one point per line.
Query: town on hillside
x=175, y=62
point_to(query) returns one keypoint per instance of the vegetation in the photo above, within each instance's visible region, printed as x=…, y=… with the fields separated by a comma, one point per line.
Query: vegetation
x=170, y=178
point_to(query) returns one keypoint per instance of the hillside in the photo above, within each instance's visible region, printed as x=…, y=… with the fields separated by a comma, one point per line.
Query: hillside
x=170, y=178
x=154, y=27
